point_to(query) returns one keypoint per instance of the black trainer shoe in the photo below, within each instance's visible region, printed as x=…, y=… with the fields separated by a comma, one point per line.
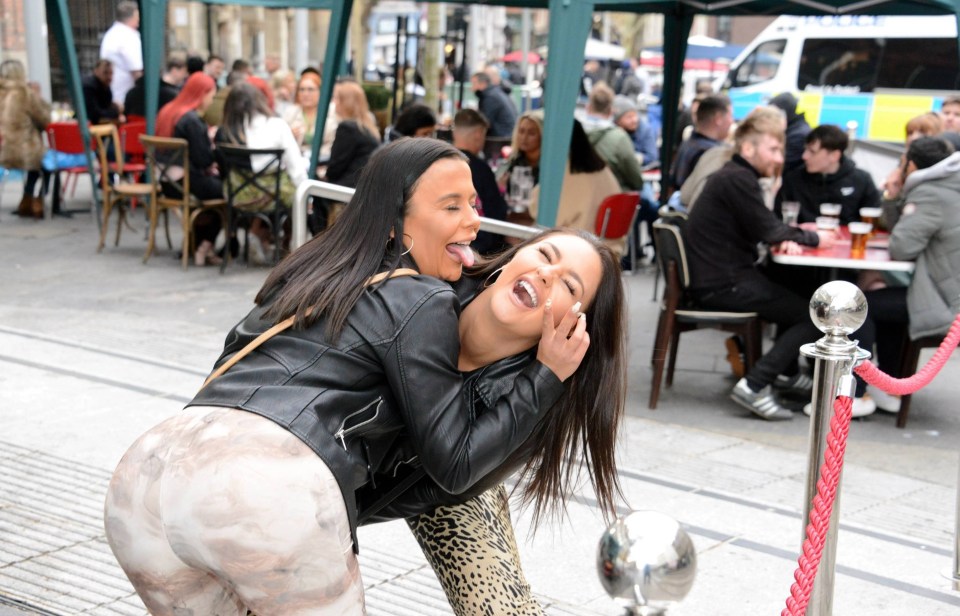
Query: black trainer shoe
x=760, y=403
x=798, y=385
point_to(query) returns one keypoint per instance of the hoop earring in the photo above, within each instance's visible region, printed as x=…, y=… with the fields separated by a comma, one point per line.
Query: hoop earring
x=496, y=272
x=407, y=251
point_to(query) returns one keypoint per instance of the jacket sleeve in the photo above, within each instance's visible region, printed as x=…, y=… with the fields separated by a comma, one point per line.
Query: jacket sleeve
x=761, y=224
x=38, y=109
x=456, y=448
x=630, y=169
x=193, y=129
x=914, y=230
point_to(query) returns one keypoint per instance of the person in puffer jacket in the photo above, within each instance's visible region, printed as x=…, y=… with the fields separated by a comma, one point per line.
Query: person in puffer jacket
x=929, y=234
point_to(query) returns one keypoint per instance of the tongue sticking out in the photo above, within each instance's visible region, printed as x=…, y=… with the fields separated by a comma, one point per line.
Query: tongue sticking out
x=462, y=253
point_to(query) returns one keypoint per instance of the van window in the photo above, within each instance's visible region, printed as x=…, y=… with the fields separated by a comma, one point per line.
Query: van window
x=866, y=64
x=761, y=65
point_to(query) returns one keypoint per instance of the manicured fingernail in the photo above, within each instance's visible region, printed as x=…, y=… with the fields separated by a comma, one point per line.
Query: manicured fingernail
x=583, y=315
x=549, y=303
x=576, y=307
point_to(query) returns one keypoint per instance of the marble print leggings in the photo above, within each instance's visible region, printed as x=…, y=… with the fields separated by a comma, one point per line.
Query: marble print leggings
x=215, y=512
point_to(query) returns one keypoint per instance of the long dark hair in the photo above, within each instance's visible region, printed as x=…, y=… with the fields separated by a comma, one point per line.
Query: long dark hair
x=583, y=157
x=326, y=276
x=242, y=104
x=582, y=427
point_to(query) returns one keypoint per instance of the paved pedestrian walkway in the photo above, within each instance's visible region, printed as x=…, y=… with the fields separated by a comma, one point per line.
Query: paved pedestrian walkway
x=96, y=348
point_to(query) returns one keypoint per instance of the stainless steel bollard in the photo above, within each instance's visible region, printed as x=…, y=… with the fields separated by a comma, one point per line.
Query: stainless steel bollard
x=838, y=309
x=953, y=573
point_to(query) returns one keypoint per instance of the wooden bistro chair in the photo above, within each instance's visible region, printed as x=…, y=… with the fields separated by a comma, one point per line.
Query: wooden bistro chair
x=254, y=194
x=615, y=218
x=678, y=314
x=168, y=163
x=910, y=360
x=118, y=191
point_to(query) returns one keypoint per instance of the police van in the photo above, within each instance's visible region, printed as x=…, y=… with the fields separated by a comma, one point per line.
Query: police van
x=875, y=71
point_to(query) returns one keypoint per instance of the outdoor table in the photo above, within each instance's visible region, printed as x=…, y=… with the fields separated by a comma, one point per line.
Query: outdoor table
x=877, y=256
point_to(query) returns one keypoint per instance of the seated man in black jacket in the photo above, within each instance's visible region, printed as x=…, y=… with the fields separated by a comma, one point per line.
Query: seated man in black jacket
x=97, y=94
x=827, y=176
x=469, y=135
x=170, y=83
x=722, y=234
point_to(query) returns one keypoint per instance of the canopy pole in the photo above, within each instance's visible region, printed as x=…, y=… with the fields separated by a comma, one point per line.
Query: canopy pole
x=570, y=22
x=332, y=63
x=676, y=29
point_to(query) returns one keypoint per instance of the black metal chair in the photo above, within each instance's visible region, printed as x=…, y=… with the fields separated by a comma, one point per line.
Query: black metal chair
x=251, y=197
x=678, y=314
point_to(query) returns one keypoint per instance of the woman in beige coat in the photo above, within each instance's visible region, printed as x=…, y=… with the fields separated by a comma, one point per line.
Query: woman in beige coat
x=23, y=117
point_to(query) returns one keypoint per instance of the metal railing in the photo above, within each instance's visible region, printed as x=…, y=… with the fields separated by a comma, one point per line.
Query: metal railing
x=316, y=188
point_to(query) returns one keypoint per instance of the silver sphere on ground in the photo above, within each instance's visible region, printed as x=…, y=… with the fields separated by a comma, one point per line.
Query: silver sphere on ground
x=646, y=557
x=838, y=308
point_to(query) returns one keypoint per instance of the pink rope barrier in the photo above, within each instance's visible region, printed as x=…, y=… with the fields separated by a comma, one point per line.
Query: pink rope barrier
x=827, y=484
x=873, y=375
x=822, y=509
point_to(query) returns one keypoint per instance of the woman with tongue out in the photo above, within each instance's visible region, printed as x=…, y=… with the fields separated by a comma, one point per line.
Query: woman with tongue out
x=248, y=498
x=499, y=330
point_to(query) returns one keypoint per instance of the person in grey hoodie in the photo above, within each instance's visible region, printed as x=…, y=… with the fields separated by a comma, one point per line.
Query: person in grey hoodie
x=929, y=233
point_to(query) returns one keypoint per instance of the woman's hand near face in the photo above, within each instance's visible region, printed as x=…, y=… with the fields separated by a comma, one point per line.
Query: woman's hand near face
x=563, y=347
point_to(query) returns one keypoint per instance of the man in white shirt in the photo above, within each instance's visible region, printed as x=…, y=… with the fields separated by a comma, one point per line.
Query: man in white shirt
x=121, y=45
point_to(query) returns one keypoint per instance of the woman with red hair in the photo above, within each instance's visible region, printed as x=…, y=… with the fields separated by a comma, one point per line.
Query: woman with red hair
x=181, y=118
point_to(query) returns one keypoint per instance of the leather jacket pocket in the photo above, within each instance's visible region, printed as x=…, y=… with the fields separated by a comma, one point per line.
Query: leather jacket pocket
x=358, y=422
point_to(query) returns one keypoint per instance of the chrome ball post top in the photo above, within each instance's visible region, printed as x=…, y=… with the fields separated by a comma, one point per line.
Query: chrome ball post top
x=647, y=559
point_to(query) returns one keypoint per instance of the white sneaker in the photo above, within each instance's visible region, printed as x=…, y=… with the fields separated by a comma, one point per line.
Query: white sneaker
x=255, y=251
x=861, y=407
x=888, y=403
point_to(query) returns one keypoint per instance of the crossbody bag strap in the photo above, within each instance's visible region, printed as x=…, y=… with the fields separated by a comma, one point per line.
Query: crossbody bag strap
x=288, y=323
x=393, y=494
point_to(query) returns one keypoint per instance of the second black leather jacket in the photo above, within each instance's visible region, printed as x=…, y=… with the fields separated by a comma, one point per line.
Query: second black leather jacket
x=387, y=392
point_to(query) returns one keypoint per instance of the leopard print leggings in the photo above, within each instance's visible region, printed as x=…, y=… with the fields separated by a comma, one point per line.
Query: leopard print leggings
x=473, y=550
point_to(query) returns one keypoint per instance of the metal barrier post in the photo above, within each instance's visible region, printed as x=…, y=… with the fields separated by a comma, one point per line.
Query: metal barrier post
x=954, y=573
x=837, y=308
x=316, y=188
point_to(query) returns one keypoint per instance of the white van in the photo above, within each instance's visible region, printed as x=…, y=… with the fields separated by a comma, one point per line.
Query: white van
x=877, y=71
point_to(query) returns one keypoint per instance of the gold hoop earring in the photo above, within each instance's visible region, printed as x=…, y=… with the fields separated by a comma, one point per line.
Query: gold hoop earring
x=407, y=251
x=496, y=272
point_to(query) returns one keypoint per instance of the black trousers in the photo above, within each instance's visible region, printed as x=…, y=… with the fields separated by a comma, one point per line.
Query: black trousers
x=775, y=304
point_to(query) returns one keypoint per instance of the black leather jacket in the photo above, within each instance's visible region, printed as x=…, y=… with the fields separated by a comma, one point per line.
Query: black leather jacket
x=386, y=393
x=482, y=388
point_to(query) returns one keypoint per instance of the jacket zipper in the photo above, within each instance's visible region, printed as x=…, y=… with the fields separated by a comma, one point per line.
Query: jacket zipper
x=342, y=432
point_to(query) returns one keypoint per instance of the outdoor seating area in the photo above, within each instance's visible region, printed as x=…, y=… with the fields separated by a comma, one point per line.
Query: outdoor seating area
x=436, y=267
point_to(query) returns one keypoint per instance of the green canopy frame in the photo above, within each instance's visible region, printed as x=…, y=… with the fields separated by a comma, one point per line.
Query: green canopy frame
x=569, y=28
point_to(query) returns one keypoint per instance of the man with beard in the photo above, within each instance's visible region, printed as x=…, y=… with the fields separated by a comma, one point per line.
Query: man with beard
x=721, y=236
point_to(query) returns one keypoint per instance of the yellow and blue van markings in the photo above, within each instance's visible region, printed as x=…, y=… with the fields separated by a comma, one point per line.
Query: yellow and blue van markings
x=879, y=117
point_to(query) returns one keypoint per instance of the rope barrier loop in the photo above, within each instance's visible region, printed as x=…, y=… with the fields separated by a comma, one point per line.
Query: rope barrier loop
x=870, y=373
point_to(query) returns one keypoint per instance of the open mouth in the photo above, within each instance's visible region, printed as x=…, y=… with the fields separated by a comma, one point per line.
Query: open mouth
x=527, y=295
x=462, y=253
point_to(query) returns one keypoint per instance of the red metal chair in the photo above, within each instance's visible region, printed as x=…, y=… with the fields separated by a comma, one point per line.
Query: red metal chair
x=133, y=154
x=65, y=137
x=615, y=218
